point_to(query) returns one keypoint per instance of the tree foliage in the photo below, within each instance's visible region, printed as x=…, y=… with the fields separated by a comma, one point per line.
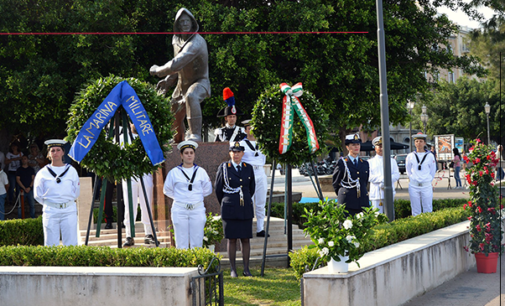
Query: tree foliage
x=40, y=74
x=458, y=108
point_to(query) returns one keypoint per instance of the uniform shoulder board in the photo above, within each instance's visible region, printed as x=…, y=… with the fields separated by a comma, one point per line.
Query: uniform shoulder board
x=360, y=160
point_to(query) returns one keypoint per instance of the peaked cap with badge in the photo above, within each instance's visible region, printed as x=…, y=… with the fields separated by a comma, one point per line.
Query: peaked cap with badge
x=377, y=141
x=55, y=143
x=352, y=138
x=420, y=136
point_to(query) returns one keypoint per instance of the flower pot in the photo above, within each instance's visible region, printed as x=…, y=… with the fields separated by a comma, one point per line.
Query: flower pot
x=486, y=264
x=338, y=266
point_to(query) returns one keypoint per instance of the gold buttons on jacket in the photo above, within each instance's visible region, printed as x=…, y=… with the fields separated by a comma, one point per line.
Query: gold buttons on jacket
x=241, y=180
x=357, y=172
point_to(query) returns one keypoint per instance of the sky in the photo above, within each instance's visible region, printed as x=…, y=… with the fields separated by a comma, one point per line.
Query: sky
x=462, y=19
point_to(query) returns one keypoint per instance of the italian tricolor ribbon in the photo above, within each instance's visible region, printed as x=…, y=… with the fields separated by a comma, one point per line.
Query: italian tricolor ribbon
x=290, y=102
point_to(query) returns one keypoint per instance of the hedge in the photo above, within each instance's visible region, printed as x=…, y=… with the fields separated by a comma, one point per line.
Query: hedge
x=88, y=256
x=386, y=234
x=402, y=209
x=23, y=232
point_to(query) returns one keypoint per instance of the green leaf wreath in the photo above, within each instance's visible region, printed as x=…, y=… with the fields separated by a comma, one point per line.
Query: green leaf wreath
x=267, y=117
x=107, y=158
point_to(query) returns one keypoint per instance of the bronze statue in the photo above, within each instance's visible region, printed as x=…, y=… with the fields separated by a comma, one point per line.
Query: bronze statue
x=190, y=68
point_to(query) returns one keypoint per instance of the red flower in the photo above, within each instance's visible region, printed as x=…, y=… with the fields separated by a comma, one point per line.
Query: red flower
x=488, y=157
x=474, y=183
x=465, y=248
x=487, y=171
x=480, y=209
x=464, y=207
x=468, y=178
x=488, y=227
x=470, y=203
x=470, y=218
x=477, y=140
x=501, y=206
x=492, y=174
x=477, y=160
x=481, y=246
x=488, y=238
x=478, y=228
x=480, y=173
x=492, y=210
x=465, y=158
x=493, y=154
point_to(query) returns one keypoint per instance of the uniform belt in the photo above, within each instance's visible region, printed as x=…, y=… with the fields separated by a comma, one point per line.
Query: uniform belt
x=188, y=206
x=421, y=184
x=60, y=205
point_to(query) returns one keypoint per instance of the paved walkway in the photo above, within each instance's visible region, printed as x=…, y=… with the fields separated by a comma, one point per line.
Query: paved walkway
x=467, y=289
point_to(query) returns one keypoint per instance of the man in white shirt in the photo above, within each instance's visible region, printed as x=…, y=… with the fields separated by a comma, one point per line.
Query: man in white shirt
x=376, y=177
x=421, y=167
x=255, y=158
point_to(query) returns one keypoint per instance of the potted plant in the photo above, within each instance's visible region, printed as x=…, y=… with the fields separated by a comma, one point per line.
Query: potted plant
x=213, y=232
x=485, y=221
x=337, y=235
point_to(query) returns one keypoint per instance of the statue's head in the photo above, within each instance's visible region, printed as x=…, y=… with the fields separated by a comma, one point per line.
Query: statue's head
x=185, y=22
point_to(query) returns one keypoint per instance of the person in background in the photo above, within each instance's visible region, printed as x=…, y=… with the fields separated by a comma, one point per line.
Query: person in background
x=188, y=184
x=420, y=167
x=35, y=159
x=57, y=188
x=13, y=161
x=4, y=186
x=25, y=176
x=377, y=176
x=138, y=196
x=254, y=157
x=500, y=174
x=231, y=131
x=432, y=150
x=457, y=167
x=235, y=187
x=2, y=161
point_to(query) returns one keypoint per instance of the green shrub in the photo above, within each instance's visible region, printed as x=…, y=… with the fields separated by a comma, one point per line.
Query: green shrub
x=22, y=232
x=87, y=256
x=389, y=233
x=304, y=260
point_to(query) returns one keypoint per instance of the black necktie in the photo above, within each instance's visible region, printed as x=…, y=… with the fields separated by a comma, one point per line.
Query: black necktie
x=238, y=168
x=356, y=162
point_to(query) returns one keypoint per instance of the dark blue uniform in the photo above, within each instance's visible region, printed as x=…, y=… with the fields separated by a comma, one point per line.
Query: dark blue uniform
x=237, y=217
x=349, y=197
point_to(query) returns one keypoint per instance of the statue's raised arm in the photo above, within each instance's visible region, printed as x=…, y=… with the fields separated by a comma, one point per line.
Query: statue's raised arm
x=190, y=69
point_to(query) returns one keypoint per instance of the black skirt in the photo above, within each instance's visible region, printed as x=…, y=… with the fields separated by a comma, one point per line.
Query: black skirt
x=237, y=228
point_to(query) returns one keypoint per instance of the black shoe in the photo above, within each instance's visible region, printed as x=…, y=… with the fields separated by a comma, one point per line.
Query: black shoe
x=247, y=274
x=108, y=225
x=129, y=242
x=261, y=234
x=149, y=239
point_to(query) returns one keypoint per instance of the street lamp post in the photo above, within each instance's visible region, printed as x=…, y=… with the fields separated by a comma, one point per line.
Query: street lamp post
x=424, y=117
x=487, y=109
x=410, y=107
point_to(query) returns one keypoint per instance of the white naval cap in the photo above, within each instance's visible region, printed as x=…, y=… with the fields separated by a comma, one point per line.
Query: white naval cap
x=246, y=122
x=377, y=141
x=420, y=136
x=55, y=143
x=187, y=144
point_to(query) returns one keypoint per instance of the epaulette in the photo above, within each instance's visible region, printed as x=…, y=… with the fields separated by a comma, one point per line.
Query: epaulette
x=229, y=165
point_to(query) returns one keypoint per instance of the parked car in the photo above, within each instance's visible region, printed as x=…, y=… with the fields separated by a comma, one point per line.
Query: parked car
x=400, y=160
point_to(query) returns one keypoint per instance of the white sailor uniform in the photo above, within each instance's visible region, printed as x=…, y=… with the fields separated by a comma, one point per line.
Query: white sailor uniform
x=188, y=209
x=58, y=199
x=138, y=196
x=421, y=168
x=376, y=180
x=255, y=158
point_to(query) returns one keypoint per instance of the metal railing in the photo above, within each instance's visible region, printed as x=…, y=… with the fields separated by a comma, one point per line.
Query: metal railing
x=212, y=283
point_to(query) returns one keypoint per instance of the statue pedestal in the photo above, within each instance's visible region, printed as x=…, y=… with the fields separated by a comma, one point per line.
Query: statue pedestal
x=209, y=156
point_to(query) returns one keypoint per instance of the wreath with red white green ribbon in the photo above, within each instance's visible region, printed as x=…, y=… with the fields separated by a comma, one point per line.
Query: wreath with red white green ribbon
x=290, y=124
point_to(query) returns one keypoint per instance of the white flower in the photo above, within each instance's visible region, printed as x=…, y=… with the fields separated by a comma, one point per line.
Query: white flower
x=325, y=251
x=360, y=215
x=349, y=238
x=356, y=244
x=331, y=243
x=205, y=238
x=320, y=240
x=377, y=214
x=347, y=224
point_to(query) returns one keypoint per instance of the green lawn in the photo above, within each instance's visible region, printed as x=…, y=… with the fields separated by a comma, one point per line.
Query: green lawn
x=277, y=287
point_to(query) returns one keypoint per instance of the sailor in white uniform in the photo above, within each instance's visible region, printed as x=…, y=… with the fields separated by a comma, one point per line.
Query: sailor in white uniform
x=57, y=188
x=255, y=158
x=376, y=177
x=138, y=197
x=188, y=184
x=421, y=167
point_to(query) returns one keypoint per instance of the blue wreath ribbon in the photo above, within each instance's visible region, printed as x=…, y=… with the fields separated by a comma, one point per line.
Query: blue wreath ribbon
x=121, y=95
